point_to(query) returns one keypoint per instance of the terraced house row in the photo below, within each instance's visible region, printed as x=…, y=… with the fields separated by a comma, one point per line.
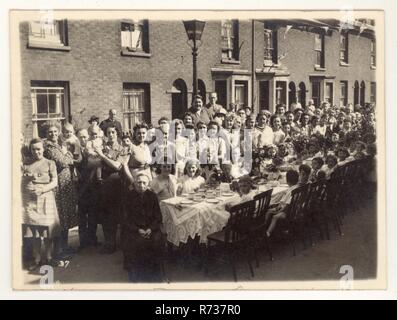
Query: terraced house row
x=72, y=69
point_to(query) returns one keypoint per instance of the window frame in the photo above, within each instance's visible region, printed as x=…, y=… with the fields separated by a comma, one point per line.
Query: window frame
x=319, y=52
x=144, y=50
x=373, y=54
x=129, y=88
x=373, y=92
x=331, y=97
x=345, y=97
x=36, y=42
x=61, y=98
x=233, y=54
x=281, y=92
x=344, y=49
x=316, y=99
x=241, y=84
x=272, y=58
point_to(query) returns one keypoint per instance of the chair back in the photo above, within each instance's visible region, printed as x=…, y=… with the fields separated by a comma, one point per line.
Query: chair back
x=334, y=193
x=315, y=196
x=241, y=217
x=296, y=209
x=262, y=202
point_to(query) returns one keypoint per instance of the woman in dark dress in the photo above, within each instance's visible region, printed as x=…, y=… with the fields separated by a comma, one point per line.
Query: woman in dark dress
x=66, y=192
x=142, y=239
x=110, y=199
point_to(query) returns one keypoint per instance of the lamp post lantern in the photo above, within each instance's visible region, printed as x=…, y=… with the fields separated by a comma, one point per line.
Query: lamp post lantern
x=194, y=30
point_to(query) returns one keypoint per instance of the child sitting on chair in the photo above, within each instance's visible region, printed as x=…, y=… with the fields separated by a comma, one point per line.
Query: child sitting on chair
x=94, y=162
x=317, y=164
x=330, y=164
x=278, y=212
x=245, y=192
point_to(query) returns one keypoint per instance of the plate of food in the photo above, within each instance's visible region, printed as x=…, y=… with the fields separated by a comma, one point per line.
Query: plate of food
x=212, y=200
x=228, y=194
x=186, y=201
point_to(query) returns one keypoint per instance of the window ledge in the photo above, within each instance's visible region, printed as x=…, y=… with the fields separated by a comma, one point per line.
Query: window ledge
x=344, y=64
x=318, y=68
x=229, y=61
x=125, y=52
x=373, y=67
x=48, y=46
x=268, y=63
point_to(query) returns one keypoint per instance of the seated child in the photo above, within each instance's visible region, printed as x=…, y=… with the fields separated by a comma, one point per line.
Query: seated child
x=317, y=164
x=191, y=180
x=359, y=150
x=278, y=212
x=330, y=164
x=245, y=192
x=94, y=163
x=304, y=174
x=343, y=156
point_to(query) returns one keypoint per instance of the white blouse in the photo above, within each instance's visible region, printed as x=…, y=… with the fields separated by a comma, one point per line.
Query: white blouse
x=189, y=184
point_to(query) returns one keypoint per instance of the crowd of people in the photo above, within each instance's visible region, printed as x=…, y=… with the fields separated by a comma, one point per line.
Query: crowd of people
x=103, y=175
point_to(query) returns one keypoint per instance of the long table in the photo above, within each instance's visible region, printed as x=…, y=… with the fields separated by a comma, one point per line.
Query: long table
x=201, y=218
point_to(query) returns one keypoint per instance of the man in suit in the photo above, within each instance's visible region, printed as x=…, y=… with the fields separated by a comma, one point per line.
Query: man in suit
x=213, y=108
x=199, y=114
x=112, y=122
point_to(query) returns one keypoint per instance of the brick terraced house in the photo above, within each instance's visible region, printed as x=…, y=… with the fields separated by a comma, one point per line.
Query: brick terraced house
x=72, y=69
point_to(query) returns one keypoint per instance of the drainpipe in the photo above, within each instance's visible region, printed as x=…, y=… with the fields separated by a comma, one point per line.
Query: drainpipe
x=253, y=77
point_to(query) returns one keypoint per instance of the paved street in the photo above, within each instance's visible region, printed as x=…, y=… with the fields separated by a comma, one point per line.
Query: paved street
x=357, y=248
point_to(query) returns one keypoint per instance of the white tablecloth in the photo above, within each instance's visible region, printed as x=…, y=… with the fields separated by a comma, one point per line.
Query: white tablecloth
x=201, y=218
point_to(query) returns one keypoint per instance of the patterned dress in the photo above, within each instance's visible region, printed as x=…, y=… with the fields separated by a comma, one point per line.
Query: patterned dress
x=39, y=211
x=66, y=193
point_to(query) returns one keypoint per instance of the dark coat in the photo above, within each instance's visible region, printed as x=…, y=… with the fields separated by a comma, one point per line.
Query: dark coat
x=204, y=116
x=107, y=123
x=141, y=211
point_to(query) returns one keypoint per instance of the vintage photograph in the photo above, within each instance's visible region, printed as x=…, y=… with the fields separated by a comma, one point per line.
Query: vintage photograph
x=198, y=149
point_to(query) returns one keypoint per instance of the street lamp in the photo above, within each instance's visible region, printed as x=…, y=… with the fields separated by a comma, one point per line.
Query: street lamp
x=194, y=30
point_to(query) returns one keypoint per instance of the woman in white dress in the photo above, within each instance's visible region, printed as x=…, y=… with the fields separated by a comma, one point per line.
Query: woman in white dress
x=165, y=184
x=181, y=144
x=278, y=133
x=139, y=157
x=41, y=220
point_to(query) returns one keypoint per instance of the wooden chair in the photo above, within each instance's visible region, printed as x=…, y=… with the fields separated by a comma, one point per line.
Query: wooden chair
x=329, y=207
x=234, y=238
x=259, y=226
x=296, y=222
x=316, y=194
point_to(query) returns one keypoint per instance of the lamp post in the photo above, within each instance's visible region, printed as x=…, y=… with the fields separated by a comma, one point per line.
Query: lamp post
x=194, y=30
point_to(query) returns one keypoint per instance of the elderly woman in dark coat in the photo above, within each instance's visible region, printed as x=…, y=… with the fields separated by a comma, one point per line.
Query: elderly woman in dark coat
x=142, y=239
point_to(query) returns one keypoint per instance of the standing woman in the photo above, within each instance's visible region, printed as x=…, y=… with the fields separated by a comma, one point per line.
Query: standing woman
x=139, y=158
x=65, y=194
x=112, y=157
x=38, y=184
x=181, y=146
